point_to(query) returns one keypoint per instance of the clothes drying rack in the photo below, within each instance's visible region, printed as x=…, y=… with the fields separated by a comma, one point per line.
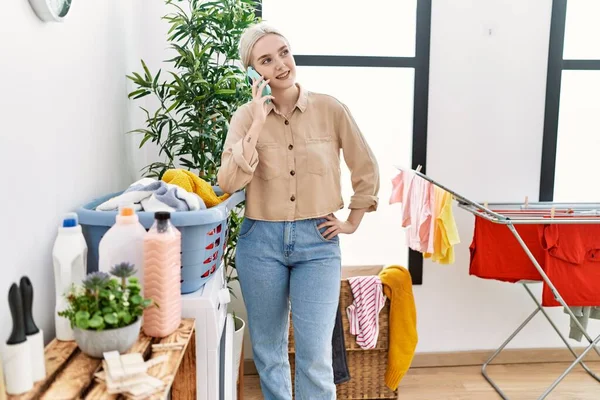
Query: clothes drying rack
x=534, y=213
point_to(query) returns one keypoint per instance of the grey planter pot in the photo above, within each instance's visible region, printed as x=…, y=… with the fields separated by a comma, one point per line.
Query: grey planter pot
x=96, y=343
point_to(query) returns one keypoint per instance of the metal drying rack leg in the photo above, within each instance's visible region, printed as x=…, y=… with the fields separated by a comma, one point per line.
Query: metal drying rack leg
x=516, y=332
x=497, y=352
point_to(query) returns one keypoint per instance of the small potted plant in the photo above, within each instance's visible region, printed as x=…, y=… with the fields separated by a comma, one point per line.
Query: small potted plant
x=105, y=312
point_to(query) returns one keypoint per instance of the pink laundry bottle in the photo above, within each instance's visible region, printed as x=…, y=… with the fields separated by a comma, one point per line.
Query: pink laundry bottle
x=162, y=276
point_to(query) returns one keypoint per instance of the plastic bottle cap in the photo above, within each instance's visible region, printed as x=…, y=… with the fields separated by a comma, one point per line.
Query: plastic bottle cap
x=70, y=220
x=127, y=211
x=162, y=215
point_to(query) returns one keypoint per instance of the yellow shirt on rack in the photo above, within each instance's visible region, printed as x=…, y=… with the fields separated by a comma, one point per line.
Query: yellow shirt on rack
x=445, y=232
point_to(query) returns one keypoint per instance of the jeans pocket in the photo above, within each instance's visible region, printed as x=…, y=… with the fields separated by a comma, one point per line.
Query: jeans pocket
x=247, y=228
x=319, y=221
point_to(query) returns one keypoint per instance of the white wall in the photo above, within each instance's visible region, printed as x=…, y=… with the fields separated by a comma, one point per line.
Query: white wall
x=486, y=115
x=64, y=112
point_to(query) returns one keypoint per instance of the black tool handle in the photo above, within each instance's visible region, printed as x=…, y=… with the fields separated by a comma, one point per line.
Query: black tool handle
x=16, y=310
x=27, y=298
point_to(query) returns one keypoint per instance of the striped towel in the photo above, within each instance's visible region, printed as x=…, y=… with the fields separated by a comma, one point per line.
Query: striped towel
x=363, y=313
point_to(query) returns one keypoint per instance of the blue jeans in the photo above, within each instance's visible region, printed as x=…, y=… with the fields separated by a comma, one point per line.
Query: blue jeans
x=283, y=263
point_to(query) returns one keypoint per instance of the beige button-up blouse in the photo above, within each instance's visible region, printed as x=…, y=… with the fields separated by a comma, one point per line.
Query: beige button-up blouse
x=294, y=171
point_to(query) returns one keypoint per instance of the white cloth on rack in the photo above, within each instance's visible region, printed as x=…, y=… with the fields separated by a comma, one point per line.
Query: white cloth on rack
x=152, y=195
x=363, y=313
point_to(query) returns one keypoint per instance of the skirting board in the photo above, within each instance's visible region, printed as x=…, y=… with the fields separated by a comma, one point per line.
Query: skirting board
x=478, y=357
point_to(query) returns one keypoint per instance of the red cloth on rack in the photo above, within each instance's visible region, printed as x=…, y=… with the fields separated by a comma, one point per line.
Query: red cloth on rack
x=496, y=253
x=572, y=264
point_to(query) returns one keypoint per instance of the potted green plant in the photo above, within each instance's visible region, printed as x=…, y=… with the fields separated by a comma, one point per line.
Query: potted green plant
x=199, y=96
x=105, y=312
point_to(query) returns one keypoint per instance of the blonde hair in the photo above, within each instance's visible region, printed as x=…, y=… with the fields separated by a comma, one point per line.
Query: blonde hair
x=249, y=38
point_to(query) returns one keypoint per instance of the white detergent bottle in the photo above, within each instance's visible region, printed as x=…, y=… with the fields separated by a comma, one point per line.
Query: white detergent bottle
x=69, y=257
x=123, y=243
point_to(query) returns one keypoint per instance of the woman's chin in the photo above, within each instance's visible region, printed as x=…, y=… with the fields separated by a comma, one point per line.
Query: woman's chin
x=284, y=84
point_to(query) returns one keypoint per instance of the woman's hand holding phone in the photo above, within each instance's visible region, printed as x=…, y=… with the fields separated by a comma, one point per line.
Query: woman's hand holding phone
x=259, y=100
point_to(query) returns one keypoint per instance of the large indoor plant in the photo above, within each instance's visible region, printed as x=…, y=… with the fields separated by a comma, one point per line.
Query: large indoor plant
x=205, y=86
x=105, y=312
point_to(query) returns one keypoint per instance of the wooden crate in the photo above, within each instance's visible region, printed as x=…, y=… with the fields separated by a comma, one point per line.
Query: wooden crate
x=367, y=367
x=70, y=373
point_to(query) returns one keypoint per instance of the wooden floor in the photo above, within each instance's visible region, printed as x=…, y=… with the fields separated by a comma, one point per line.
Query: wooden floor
x=519, y=381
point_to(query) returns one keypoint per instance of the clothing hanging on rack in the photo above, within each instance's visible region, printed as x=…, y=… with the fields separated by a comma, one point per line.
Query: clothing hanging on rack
x=496, y=254
x=561, y=241
x=427, y=214
x=445, y=232
x=416, y=196
x=583, y=315
x=572, y=262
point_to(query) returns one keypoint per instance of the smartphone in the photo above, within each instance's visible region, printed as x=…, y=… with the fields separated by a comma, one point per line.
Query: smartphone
x=253, y=75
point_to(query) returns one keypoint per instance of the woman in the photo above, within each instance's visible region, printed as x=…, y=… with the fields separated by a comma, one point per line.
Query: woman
x=284, y=149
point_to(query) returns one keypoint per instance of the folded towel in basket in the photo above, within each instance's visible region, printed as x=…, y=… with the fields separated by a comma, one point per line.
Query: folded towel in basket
x=151, y=195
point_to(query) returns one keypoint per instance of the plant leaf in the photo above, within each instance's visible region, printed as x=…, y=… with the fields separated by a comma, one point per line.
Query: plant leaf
x=111, y=318
x=82, y=323
x=95, y=322
x=82, y=315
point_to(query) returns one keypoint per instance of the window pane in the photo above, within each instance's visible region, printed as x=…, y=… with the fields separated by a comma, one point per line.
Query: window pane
x=346, y=27
x=582, y=30
x=384, y=114
x=577, y=152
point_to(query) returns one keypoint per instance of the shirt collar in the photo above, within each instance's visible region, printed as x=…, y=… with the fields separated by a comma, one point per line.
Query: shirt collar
x=302, y=102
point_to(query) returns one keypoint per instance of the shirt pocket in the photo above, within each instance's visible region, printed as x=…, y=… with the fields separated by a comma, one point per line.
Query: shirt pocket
x=268, y=161
x=319, y=154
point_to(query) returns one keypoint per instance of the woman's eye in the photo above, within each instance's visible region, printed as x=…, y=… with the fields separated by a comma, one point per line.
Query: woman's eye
x=285, y=52
x=266, y=61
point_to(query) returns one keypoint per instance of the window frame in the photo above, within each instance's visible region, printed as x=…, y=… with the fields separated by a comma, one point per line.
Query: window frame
x=556, y=65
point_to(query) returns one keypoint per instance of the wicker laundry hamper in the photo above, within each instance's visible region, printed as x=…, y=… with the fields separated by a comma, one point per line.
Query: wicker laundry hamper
x=367, y=367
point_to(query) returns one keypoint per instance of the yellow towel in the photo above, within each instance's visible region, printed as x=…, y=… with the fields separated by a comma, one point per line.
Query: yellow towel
x=397, y=286
x=193, y=184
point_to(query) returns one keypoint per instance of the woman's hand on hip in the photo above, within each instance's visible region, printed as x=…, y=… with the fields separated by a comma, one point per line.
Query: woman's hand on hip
x=258, y=105
x=336, y=226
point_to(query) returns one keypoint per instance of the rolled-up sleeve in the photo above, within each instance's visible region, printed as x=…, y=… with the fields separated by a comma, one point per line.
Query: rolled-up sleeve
x=361, y=162
x=235, y=171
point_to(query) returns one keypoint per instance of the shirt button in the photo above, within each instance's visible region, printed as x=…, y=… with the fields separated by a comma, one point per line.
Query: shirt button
x=287, y=122
x=293, y=198
x=292, y=172
x=291, y=146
